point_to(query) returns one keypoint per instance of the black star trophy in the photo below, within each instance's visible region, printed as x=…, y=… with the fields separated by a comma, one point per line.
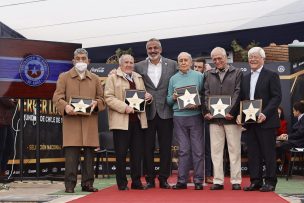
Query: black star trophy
x=187, y=95
x=81, y=105
x=250, y=110
x=136, y=99
x=218, y=105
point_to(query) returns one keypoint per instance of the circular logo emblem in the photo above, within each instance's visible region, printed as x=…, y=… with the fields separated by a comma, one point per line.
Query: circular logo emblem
x=34, y=70
x=281, y=69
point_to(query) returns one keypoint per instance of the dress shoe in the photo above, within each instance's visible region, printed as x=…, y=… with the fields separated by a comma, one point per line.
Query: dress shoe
x=236, y=187
x=138, y=187
x=69, y=190
x=217, y=187
x=89, y=189
x=252, y=187
x=150, y=185
x=267, y=188
x=209, y=180
x=164, y=185
x=198, y=186
x=179, y=186
x=123, y=188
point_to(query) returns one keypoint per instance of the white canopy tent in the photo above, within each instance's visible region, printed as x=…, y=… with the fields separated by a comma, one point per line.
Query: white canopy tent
x=99, y=23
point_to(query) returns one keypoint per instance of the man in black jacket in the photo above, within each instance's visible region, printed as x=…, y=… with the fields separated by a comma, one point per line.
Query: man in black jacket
x=296, y=137
x=263, y=84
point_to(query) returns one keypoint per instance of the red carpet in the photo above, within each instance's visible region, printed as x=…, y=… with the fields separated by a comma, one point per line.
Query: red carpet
x=112, y=195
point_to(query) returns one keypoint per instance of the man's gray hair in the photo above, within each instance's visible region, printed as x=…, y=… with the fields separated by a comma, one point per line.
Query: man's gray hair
x=153, y=40
x=218, y=49
x=257, y=50
x=81, y=51
x=186, y=53
x=122, y=58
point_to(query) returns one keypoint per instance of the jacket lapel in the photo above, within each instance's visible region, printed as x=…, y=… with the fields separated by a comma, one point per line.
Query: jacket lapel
x=164, y=71
x=259, y=83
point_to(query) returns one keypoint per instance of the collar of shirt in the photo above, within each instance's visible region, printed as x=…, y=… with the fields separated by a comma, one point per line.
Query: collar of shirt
x=128, y=77
x=300, y=116
x=160, y=61
x=257, y=71
x=185, y=72
x=222, y=70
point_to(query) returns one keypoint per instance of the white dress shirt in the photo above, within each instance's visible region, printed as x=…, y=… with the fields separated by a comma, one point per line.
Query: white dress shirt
x=154, y=71
x=253, y=81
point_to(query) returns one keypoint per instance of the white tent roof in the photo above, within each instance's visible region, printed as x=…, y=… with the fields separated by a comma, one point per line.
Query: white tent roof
x=98, y=23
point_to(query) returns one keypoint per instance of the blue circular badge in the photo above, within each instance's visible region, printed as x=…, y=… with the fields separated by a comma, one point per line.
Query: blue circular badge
x=34, y=70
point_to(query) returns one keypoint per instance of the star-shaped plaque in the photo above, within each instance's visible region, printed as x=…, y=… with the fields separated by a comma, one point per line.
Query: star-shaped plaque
x=80, y=106
x=219, y=108
x=250, y=113
x=188, y=98
x=250, y=110
x=135, y=101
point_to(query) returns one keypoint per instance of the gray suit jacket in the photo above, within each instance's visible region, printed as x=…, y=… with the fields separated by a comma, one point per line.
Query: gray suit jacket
x=159, y=93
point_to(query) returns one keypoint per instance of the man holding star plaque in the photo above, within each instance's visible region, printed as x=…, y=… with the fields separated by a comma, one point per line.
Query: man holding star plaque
x=261, y=84
x=188, y=123
x=222, y=85
x=126, y=96
x=78, y=97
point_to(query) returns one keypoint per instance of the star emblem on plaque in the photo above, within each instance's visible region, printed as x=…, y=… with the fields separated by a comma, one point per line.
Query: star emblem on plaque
x=250, y=110
x=218, y=105
x=187, y=95
x=81, y=105
x=136, y=99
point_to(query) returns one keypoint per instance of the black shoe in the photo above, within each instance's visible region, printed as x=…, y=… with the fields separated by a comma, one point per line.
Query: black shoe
x=150, y=185
x=179, y=186
x=89, y=189
x=138, y=187
x=236, y=187
x=123, y=188
x=164, y=185
x=198, y=186
x=252, y=187
x=267, y=188
x=217, y=187
x=69, y=190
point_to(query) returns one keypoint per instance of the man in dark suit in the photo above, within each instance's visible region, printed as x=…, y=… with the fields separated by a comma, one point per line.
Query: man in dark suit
x=296, y=137
x=156, y=72
x=263, y=84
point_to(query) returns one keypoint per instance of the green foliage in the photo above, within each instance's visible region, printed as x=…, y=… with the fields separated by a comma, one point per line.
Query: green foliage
x=243, y=52
x=114, y=58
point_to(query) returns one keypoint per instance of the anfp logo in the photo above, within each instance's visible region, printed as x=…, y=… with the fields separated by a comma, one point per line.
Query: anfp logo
x=34, y=70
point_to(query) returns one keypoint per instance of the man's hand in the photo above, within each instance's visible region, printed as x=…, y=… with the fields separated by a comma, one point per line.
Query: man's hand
x=148, y=96
x=192, y=106
x=238, y=120
x=261, y=118
x=208, y=116
x=229, y=117
x=174, y=96
x=93, y=105
x=69, y=110
x=129, y=110
x=282, y=137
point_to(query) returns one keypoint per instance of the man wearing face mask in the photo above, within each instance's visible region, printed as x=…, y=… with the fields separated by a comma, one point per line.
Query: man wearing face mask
x=79, y=132
x=156, y=72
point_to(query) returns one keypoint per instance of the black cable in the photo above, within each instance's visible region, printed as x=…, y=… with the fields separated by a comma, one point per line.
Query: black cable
x=138, y=14
x=21, y=3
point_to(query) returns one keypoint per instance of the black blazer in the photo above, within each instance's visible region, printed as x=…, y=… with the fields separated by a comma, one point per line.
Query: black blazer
x=268, y=88
x=297, y=135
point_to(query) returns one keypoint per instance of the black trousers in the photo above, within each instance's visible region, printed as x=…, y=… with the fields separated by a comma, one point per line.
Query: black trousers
x=164, y=130
x=261, y=149
x=131, y=140
x=72, y=157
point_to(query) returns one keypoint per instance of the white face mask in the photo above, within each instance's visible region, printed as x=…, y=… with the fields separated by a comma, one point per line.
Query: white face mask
x=81, y=67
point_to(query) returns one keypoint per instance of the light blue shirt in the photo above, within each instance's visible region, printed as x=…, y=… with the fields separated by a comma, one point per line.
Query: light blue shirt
x=253, y=81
